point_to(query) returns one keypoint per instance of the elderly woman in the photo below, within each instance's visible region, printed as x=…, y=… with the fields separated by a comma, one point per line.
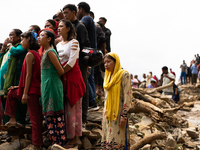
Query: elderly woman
x=117, y=85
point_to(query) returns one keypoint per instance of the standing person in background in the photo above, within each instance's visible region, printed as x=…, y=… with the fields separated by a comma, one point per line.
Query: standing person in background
x=183, y=71
x=166, y=78
x=83, y=15
x=175, y=96
x=117, y=85
x=194, y=72
x=74, y=86
x=198, y=59
x=36, y=28
x=11, y=59
x=149, y=76
x=172, y=72
x=52, y=88
x=101, y=45
x=107, y=32
x=29, y=89
x=144, y=78
x=69, y=13
x=156, y=79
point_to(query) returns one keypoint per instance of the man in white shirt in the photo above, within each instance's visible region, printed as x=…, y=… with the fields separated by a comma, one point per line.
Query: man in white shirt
x=166, y=78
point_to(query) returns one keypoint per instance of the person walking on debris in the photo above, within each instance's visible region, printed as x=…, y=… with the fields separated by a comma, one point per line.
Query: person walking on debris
x=166, y=78
x=183, y=71
x=175, y=96
x=117, y=85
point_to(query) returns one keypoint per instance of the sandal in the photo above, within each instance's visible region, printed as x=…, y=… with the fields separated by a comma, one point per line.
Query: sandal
x=10, y=125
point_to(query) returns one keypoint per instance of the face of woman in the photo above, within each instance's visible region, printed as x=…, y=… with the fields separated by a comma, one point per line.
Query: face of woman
x=109, y=64
x=49, y=25
x=43, y=39
x=13, y=37
x=62, y=29
x=25, y=42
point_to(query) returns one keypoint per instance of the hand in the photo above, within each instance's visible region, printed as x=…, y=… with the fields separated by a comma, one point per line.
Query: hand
x=176, y=93
x=60, y=14
x=122, y=122
x=13, y=87
x=164, y=75
x=88, y=70
x=24, y=98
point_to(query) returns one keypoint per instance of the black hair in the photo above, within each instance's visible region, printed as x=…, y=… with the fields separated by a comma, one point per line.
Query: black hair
x=103, y=19
x=71, y=7
x=85, y=6
x=100, y=24
x=91, y=14
x=36, y=28
x=51, y=21
x=33, y=44
x=110, y=57
x=17, y=32
x=52, y=36
x=54, y=16
x=164, y=68
x=72, y=32
x=1, y=44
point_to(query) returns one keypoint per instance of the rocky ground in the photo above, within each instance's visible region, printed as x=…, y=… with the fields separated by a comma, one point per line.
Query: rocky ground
x=155, y=123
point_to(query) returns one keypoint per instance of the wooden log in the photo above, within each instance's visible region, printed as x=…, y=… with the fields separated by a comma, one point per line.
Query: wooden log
x=160, y=88
x=174, y=109
x=143, y=97
x=147, y=140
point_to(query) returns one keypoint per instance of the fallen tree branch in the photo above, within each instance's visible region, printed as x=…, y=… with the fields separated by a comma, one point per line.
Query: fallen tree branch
x=160, y=88
x=174, y=109
x=147, y=140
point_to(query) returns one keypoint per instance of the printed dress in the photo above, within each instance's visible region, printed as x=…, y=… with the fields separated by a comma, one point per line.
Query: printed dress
x=114, y=137
x=52, y=100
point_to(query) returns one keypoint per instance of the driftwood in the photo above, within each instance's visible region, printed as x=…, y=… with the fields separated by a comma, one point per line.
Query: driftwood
x=143, y=97
x=160, y=88
x=155, y=113
x=148, y=139
x=174, y=109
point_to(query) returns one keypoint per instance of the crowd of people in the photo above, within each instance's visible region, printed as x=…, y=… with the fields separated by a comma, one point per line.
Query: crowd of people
x=43, y=71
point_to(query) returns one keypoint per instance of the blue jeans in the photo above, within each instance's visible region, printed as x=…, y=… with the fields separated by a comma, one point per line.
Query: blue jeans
x=91, y=88
x=183, y=75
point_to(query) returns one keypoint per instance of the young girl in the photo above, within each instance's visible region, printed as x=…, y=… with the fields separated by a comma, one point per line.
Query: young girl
x=29, y=89
x=74, y=86
x=52, y=88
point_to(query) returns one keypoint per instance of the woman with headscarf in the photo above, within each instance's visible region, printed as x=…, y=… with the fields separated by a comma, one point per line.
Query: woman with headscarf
x=117, y=85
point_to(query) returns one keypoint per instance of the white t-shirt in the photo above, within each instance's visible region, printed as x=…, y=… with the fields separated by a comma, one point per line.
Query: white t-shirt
x=167, y=81
x=68, y=52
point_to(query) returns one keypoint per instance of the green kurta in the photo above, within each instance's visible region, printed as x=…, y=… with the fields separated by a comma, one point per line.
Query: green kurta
x=51, y=87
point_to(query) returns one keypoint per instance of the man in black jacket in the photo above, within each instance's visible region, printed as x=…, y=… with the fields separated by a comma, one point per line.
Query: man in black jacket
x=69, y=13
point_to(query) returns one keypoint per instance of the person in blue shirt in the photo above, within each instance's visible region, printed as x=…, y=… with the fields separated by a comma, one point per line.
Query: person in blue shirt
x=194, y=72
x=83, y=14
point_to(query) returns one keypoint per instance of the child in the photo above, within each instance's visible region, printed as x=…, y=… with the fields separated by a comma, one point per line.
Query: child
x=29, y=89
x=52, y=88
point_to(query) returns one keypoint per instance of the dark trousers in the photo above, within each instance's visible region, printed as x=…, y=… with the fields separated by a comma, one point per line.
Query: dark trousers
x=85, y=100
x=194, y=78
x=35, y=112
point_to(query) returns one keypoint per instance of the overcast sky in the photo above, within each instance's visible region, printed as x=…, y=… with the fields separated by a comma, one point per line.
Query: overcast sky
x=146, y=34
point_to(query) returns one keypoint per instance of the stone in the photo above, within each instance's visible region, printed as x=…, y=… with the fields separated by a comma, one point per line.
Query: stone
x=146, y=147
x=193, y=134
x=170, y=141
x=24, y=143
x=98, y=132
x=11, y=146
x=58, y=147
x=92, y=136
x=86, y=144
x=95, y=116
x=46, y=142
x=85, y=132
